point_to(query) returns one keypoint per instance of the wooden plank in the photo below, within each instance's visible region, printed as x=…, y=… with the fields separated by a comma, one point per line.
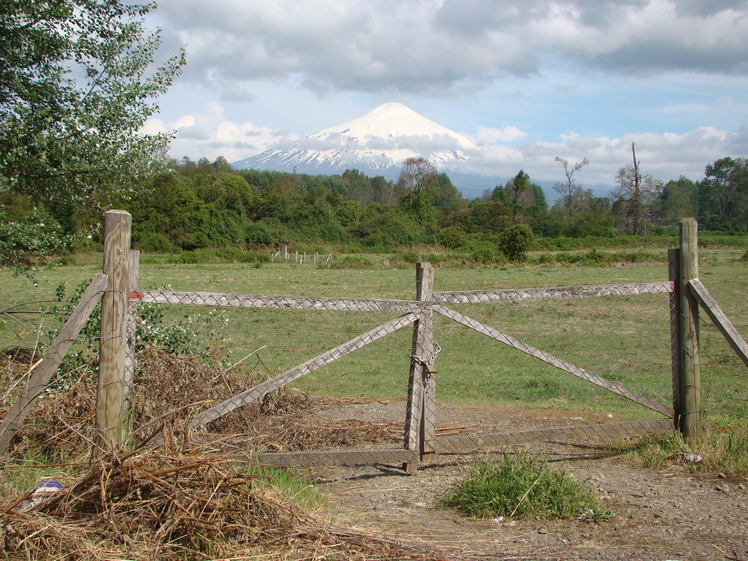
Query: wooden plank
x=480, y=441
x=552, y=360
x=558, y=293
x=720, y=319
x=255, y=393
x=398, y=456
x=420, y=409
x=690, y=417
x=276, y=302
x=675, y=345
x=40, y=378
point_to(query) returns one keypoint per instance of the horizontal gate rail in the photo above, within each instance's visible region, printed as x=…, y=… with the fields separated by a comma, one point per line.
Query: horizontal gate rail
x=363, y=457
x=558, y=293
x=552, y=360
x=276, y=302
x=472, y=442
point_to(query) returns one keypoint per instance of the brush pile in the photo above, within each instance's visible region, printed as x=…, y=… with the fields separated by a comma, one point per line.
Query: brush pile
x=147, y=505
x=188, y=500
x=169, y=391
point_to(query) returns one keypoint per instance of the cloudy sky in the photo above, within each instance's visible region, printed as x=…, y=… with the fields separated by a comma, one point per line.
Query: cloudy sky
x=530, y=79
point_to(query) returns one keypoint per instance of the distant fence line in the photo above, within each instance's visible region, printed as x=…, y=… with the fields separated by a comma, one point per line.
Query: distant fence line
x=301, y=258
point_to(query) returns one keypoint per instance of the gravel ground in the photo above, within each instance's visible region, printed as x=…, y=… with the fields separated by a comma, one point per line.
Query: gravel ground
x=660, y=515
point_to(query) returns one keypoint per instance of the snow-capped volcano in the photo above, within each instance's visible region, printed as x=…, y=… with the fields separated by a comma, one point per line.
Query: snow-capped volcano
x=375, y=144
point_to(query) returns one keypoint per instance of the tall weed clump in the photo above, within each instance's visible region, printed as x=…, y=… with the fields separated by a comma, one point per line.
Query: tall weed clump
x=522, y=486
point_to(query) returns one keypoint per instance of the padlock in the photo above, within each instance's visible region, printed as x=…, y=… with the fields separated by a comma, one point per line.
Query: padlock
x=431, y=369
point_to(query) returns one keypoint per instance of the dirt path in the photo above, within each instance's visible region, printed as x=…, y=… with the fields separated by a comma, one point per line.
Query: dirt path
x=660, y=515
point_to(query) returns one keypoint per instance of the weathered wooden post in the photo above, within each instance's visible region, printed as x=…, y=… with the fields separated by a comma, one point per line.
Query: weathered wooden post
x=110, y=391
x=675, y=346
x=688, y=416
x=420, y=421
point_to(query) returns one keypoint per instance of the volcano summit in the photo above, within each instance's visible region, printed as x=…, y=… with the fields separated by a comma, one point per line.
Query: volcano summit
x=375, y=144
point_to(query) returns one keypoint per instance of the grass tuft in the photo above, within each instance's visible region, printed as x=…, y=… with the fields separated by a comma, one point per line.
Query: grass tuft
x=289, y=483
x=523, y=486
x=720, y=450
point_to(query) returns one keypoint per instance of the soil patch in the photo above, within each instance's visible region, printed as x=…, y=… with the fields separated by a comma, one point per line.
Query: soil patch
x=660, y=515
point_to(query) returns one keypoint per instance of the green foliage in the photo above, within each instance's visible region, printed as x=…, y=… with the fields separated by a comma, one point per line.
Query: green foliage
x=452, y=237
x=291, y=484
x=74, y=92
x=191, y=335
x=522, y=486
x=596, y=257
x=30, y=240
x=220, y=255
x=723, y=195
x=76, y=86
x=514, y=242
x=199, y=207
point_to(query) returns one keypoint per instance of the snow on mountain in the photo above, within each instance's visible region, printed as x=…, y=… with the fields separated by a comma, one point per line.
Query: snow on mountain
x=375, y=144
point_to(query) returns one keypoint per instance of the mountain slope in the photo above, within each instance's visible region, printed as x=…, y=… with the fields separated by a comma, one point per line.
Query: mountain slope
x=375, y=144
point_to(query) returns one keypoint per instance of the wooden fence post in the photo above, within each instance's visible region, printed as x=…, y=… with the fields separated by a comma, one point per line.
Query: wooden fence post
x=110, y=391
x=675, y=346
x=420, y=415
x=689, y=414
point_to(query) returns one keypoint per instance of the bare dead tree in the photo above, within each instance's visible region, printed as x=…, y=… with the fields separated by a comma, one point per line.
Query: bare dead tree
x=634, y=193
x=569, y=189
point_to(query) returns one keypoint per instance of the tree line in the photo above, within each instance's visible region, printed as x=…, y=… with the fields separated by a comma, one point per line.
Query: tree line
x=201, y=204
x=208, y=204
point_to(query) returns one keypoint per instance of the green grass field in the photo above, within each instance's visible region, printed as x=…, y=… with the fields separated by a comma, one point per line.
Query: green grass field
x=623, y=339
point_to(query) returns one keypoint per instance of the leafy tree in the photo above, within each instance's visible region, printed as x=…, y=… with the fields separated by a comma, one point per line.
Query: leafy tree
x=76, y=86
x=419, y=179
x=635, y=194
x=724, y=194
x=445, y=194
x=31, y=237
x=679, y=199
x=526, y=199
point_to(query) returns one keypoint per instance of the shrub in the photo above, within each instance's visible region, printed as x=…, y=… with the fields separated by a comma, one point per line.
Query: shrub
x=515, y=241
x=483, y=255
x=722, y=449
x=452, y=237
x=523, y=486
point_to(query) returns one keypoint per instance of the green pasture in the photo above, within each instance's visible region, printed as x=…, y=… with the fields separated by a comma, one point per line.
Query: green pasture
x=623, y=339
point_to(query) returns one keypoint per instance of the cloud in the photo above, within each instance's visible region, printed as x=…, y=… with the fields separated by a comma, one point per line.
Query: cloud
x=663, y=156
x=210, y=135
x=648, y=36
x=441, y=46
x=490, y=135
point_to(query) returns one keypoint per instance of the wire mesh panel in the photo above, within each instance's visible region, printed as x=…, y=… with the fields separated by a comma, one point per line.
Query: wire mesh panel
x=724, y=376
x=606, y=347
